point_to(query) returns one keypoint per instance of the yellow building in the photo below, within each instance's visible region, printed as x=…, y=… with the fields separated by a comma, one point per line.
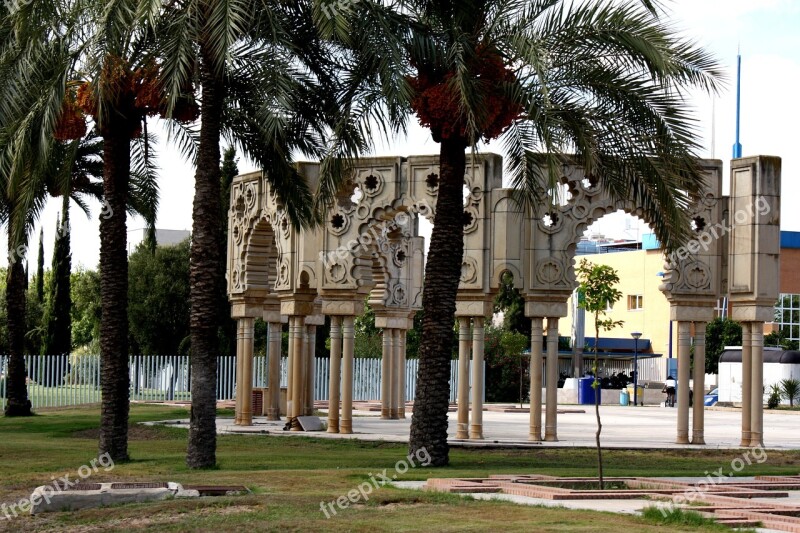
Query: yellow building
x=642, y=308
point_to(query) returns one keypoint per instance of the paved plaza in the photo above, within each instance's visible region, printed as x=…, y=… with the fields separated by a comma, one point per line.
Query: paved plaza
x=623, y=427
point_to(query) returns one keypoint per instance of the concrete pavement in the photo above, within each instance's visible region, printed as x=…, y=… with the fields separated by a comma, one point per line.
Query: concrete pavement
x=623, y=427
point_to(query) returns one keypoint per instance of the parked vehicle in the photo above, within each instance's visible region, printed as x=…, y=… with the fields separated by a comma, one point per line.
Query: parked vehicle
x=711, y=398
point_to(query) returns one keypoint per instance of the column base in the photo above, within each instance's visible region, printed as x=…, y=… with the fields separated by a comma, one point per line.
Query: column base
x=346, y=427
x=393, y=414
x=476, y=432
x=333, y=426
x=756, y=441
x=246, y=419
x=551, y=437
x=534, y=437
x=745, y=439
x=683, y=438
x=462, y=432
x=385, y=415
x=273, y=414
x=697, y=437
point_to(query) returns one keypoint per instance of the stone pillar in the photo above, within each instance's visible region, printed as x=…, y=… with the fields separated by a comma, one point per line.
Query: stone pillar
x=239, y=371
x=747, y=367
x=397, y=372
x=535, y=429
x=551, y=414
x=392, y=347
x=334, y=374
x=464, y=344
x=476, y=427
x=698, y=413
x=296, y=334
x=401, y=373
x=248, y=326
x=386, y=374
x=311, y=345
x=348, y=337
x=274, y=351
x=757, y=388
x=684, y=363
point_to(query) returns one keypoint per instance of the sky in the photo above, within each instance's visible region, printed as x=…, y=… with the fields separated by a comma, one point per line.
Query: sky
x=765, y=31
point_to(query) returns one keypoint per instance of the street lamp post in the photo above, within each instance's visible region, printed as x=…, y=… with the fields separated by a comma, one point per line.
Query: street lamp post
x=636, y=335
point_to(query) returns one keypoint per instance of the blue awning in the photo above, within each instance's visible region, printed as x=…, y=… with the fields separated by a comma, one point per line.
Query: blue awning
x=617, y=345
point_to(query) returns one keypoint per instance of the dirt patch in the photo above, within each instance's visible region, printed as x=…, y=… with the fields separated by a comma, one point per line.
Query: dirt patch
x=135, y=432
x=147, y=522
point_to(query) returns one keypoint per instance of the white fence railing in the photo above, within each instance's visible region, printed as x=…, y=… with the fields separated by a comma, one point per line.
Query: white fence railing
x=62, y=380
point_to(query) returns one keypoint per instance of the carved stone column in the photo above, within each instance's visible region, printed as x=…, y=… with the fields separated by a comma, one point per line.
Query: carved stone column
x=551, y=413
x=401, y=375
x=397, y=372
x=757, y=387
x=239, y=371
x=747, y=381
x=296, y=334
x=348, y=337
x=334, y=377
x=311, y=345
x=684, y=362
x=476, y=427
x=698, y=413
x=392, y=393
x=386, y=374
x=537, y=341
x=247, y=371
x=274, y=350
x=464, y=342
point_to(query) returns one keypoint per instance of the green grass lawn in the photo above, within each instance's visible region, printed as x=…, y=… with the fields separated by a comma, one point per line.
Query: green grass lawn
x=291, y=476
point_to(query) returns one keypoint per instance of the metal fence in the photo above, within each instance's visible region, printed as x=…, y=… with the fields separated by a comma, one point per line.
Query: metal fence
x=63, y=380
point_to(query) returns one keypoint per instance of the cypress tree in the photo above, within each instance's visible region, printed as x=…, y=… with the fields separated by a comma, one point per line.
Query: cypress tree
x=40, y=269
x=58, y=337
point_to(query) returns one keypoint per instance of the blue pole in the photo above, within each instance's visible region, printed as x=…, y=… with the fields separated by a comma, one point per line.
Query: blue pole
x=737, y=147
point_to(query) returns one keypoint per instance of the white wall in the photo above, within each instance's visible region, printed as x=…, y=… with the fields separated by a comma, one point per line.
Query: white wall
x=730, y=379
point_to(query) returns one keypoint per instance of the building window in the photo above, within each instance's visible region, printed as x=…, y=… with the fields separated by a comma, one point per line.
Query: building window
x=787, y=314
x=635, y=302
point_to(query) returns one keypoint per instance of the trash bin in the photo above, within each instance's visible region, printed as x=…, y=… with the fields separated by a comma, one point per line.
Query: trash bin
x=640, y=395
x=586, y=392
x=624, y=397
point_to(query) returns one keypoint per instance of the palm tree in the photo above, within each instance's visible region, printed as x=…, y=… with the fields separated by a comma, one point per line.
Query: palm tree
x=602, y=81
x=257, y=68
x=46, y=45
x=790, y=389
x=74, y=173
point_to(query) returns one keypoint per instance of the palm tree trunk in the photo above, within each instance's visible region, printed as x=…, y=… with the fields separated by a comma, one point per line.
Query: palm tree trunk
x=205, y=278
x=442, y=275
x=114, y=373
x=16, y=387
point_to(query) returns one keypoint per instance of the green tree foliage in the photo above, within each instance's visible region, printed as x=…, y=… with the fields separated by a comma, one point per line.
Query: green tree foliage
x=720, y=332
x=40, y=268
x=58, y=308
x=227, y=326
x=780, y=338
x=511, y=303
x=86, y=309
x=598, y=288
x=514, y=344
x=158, y=296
